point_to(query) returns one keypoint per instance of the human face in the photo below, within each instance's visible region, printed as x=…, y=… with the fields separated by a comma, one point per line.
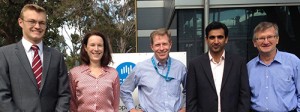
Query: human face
x=95, y=48
x=216, y=41
x=161, y=47
x=33, y=25
x=267, y=45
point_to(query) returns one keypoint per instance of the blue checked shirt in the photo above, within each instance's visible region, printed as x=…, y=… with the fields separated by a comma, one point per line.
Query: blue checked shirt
x=275, y=87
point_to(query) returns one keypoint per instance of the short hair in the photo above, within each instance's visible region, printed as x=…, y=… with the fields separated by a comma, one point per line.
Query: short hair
x=216, y=25
x=34, y=7
x=263, y=26
x=161, y=32
x=106, y=58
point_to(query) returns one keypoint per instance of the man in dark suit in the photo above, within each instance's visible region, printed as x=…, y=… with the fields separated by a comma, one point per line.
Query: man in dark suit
x=217, y=81
x=33, y=77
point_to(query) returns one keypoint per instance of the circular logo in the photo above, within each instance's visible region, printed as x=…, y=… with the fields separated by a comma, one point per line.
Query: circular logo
x=124, y=69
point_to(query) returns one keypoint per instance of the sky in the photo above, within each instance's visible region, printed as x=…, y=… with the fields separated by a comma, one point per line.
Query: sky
x=65, y=31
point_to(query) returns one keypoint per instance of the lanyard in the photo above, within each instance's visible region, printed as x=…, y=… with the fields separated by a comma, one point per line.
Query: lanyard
x=169, y=66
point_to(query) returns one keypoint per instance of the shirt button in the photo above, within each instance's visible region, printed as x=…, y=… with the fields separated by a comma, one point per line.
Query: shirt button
x=267, y=98
x=267, y=76
x=267, y=87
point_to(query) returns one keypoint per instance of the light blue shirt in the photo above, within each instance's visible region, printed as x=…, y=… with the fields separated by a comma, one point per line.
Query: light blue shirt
x=275, y=87
x=154, y=92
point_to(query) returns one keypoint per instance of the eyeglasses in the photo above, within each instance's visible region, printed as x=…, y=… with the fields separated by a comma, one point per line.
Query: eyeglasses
x=34, y=22
x=270, y=38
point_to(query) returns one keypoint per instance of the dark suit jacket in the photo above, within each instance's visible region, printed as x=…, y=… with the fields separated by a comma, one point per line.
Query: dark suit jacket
x=18, y=87
x=201, y=91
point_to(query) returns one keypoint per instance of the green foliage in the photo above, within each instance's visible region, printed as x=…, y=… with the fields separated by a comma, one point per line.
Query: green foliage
x=115, y=20
x=9, y=28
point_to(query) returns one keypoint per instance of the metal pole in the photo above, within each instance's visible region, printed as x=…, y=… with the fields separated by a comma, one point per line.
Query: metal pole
x=136, y=29
x=206, y=20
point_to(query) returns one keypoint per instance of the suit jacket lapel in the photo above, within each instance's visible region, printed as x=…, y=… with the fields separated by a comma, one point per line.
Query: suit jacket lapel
x=227, y=68
x=21, y=54
x=46, y=63
x=208, y=72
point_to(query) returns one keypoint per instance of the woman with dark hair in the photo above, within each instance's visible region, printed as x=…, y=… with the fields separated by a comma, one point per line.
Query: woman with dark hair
x=94, y=85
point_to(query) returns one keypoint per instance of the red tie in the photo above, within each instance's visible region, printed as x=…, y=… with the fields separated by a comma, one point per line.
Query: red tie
x=37, y=65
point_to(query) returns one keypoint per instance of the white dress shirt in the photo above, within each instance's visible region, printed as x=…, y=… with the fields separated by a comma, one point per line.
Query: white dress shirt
x=217, y=69
x=29, y=52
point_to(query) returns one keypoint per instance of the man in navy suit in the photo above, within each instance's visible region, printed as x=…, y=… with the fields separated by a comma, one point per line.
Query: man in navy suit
x=21, y=90
x=217, y=81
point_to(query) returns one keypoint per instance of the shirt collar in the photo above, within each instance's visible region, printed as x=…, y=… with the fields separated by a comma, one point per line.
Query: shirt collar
x=211, y=58
x=159, y=64
x=86, y=69
x=27, y=45
x=278, y=58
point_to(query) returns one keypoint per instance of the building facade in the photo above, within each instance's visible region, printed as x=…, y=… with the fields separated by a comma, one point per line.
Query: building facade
x=186, y=19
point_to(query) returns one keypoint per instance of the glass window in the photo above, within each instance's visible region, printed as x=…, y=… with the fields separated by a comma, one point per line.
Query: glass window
x=238, y=23
x=190, y=37
x=241, y=22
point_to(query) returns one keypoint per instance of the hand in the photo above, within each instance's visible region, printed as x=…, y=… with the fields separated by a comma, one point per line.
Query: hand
x=135, y=110
x=182, y=109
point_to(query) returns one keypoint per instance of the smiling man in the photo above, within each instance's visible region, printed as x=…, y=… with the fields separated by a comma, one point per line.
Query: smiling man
x=33, y=77
x=158, y=79
x=274, y=76
x=217, y=81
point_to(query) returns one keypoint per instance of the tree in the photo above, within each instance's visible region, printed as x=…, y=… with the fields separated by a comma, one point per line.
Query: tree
x=10, y=32
x=123, y=16
x=115, y=18
x=9, y=28
x=112, y=17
